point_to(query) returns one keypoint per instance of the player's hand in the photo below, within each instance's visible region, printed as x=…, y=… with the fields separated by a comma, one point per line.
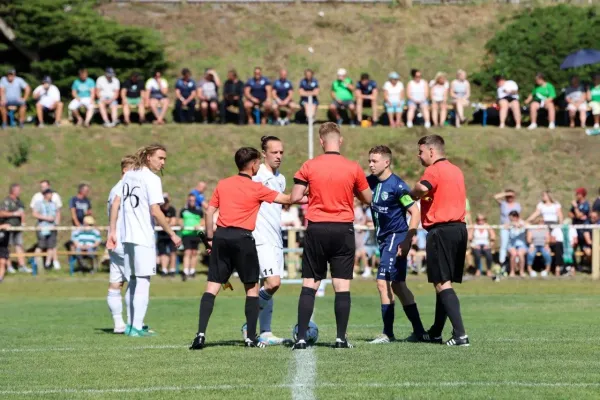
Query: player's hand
x=111, y=243
x=303, y=200
x=176, y=240
x=209, y=248
x=404, y=247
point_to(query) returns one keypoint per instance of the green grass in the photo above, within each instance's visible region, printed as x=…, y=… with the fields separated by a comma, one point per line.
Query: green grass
x=533, y=339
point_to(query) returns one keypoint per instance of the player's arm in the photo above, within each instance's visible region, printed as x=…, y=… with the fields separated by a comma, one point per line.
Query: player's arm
x=209, y=223
x=161, y=220
x=365, y=196
x=111, y=243
x=298, y=194
x=415, y=218
x=533, y=216
x=418, y=191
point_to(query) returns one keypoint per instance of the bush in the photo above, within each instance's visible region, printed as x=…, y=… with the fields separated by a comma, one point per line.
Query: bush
x=538, y=40
x=65, y=35
x=18, y=150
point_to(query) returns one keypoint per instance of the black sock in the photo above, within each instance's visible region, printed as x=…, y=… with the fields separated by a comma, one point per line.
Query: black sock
x=387, y=315
x=252, y=310
x=452, y=306
x=342, y=313
x=206, y=308
x=306, y=306
x=412, y=313
x=440, y=318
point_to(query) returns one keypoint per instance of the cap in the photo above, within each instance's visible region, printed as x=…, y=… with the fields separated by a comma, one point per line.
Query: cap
x=11, y=71
x=47, y=191
x=89, y=220
x=393, y=75
x=47, y=79
x=165, y=195
x=581, y=191
x=109, y=71
x=341, y=72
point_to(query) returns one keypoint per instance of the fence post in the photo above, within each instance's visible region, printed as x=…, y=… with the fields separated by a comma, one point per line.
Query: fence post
x=596, y=254
x=292, y=255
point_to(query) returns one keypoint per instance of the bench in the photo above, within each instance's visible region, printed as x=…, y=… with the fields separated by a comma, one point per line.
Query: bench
x=72, y=255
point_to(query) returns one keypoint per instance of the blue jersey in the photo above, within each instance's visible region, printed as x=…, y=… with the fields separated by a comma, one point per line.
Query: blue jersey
x=258, y=88
x=186, y=88
x=390, y=202
x=282, y=88
x=307, y=85
x=368, y=88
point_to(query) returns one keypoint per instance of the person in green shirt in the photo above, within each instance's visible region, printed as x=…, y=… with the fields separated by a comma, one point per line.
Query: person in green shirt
x=191, y=221
x=342, y=93
x=543, y=95
x=593, y=95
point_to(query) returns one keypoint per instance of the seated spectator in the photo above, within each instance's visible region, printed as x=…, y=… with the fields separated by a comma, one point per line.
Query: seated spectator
x=14, y=92
x=417, y=93
x=107, y=92
x=283, y=92
x=596, y=205
x=539, y=242
x=482, y=239
x=258, y=96
x=549, y=209
x=132, y=95
x=48, y=216
x=576, y=102
x=185, y=92
x=460, y=91
x=343, y=97
x=157, y=99
x=165, y=249
x=543, y=95
x=191, y=221
x=580, y=214
x=393, y=99
x=439, y=98
x=48, y=99
x=80, y=205
x=309, y=86
x=208, y=93
x=593, y=96
x=586, y=235
x=517, y=244
x=508, y=98
x=86, y=239
x=366, y=97
x=233, y=95
x=83, y=94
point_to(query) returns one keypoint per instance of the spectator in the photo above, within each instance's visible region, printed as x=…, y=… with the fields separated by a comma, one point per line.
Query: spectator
x=290, y=217
x=417, y=93
x=80, y=205
x=360, y=238
x=283, y=92
x=157, y=100
x=539, y=242
x=593, y=96
x=83, y=94
x=596, y=205
x=343, y=97
x=14, y=92
x=482, y=238
x=549, y=209
x=48, y=99
x=185, y=92
x=107, y=92
x=579, y=212
x=39, y=196
x=460, y=91
x=48, y=216
x=309, y=86
x=198, y=193
x=191, y=220
x=393, y=99
x=12, y=212
x=543, y=95
x=86, y=240
x=132, y=95
x=517, y=243
x=233, y=94
x=507, y=202
x=439, y=98
x=366, y=97
x=165, y=249
x=208, y=93
x=4, y=253
x=508, y=98
x=586, y=248
x=258, y=95
x=576, y=102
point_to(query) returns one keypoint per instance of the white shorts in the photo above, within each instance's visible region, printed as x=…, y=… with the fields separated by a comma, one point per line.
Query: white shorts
x=270, y=259
x=139, y=260
x=582, y=107
x=117, y=267
x=76, y=104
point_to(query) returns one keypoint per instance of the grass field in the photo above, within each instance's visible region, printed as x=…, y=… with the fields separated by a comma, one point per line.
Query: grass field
x=534, y=339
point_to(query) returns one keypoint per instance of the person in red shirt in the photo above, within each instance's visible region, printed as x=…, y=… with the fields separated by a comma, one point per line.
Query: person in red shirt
x=238, y=199
x=442, y=192
x=332, y=183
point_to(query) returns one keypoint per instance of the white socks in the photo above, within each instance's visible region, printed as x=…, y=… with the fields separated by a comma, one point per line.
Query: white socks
x=140, y=301
x=115, y=305
x=265, y=303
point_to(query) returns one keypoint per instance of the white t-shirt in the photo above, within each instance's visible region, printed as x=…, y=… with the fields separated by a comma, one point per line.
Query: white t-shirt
x=106, y=88
x=40, y=197
x=140, y=189
x=117, y=190
x=268, y=222
x=549, y=211
x=437, y=91
x=416, y=91
x=153, y=84
x=47, y=97
x=290, y=217
x=507, y=90
x=557, y=234
x=394, y=91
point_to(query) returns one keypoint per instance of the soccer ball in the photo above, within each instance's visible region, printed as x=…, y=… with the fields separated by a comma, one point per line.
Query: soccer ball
x=312, y=334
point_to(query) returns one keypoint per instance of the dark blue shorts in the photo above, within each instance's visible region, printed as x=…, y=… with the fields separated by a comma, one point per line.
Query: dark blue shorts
x=391, y=267
x=304, y=101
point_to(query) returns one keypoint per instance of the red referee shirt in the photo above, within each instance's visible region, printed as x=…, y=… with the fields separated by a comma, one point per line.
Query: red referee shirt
x=446, y=199
x=333, y=181
x=238, y=199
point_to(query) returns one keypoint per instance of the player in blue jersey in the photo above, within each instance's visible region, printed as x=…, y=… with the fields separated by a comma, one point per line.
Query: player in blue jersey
x=390, y=204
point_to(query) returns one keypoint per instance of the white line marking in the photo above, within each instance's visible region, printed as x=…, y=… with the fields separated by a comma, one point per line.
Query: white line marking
x=408, y=384
x=305, y=375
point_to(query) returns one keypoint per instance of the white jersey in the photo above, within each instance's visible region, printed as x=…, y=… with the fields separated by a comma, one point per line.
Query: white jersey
x=114, y=192
x=268, y=223
x=140, y=190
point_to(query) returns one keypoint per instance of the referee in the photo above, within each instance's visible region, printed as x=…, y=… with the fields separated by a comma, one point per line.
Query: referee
x=443, y=198
x=238, y=199
x=332, y=181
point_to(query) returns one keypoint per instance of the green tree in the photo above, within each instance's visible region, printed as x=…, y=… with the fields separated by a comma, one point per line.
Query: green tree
x=538, y=40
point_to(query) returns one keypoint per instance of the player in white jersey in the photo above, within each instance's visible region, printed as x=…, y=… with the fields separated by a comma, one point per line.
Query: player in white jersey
x=267, y=235
x=140, y=201
x=117, y=261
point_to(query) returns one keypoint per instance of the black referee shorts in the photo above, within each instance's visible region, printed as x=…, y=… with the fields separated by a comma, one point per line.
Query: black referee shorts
x=233, y=249
x=446, y=248
x=328, y=242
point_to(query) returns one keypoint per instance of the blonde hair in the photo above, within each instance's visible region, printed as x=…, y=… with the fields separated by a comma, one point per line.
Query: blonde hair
x=329, y=128
x=461, y=71
x=439, y=75
x=141, y=156
x=127, y=161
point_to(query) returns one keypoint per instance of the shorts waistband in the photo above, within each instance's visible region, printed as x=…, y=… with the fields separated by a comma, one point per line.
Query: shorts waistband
x=443, y=224
x=233, y=229
x=350, y=224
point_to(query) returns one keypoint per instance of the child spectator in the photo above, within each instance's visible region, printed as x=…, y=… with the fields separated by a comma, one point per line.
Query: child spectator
x=517, y=243
x=539, y=242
